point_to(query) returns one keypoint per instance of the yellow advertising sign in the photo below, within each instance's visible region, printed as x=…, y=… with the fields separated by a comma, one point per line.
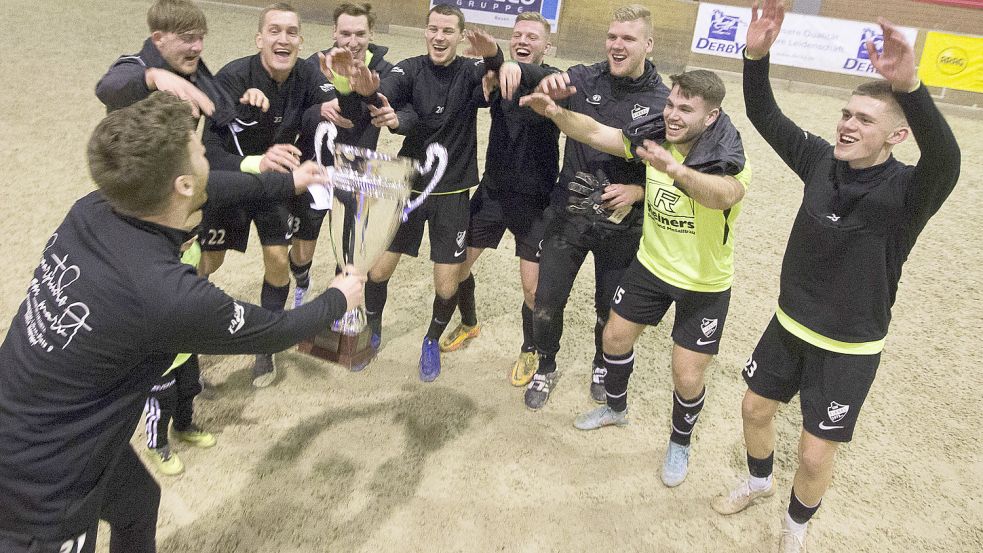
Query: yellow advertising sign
x=952, y=61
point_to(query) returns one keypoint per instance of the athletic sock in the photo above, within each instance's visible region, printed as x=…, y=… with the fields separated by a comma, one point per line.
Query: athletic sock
x=302, y=273
x=376, y=294
x=799, y=513
x=443, y=310
x=465, y=301
x=528, y=344
x=547, y=363
x=619, y=369
x=273, y=298
x=598, y=342
x=760, y=471
x=685, y=413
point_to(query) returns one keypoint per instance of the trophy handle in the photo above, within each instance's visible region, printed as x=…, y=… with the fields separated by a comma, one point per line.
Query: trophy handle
x=434, y=151
x=324, y=128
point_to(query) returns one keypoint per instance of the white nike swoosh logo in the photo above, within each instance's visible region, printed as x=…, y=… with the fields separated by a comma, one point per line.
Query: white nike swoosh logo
x=823, y=426
x=459, y=254
x=701, y=342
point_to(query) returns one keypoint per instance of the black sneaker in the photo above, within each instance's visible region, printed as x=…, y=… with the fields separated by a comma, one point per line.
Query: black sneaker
x=264, y=370
x=539, y=389
x=597, y=392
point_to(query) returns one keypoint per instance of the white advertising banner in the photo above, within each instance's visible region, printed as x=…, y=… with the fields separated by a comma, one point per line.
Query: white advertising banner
x=806, y=41
x=501, y=13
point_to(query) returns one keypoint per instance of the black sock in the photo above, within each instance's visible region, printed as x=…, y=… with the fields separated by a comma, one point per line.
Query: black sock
x=376, y=294
x=527, y=337
x=761, y=468
x=799, y=512
x=302, y=273
x=599, y=342
x=465, y=301
x=619, y=369
x=273, y=298
x=443, y=310
x=547, y=363
x=685, y=412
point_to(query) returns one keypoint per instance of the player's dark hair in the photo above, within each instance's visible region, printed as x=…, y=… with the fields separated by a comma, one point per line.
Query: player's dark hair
x=176, y=16
x=447, y=9
x=278, y=7
x=881, y=90
x=702, y=83
x=135, y=153
x=355, y=10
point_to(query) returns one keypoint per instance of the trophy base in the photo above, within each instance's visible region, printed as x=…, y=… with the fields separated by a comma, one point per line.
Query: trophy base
x=351, y=352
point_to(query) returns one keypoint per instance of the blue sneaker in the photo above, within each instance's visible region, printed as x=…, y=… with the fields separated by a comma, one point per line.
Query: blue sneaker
x=429, y=360
x=375, y=340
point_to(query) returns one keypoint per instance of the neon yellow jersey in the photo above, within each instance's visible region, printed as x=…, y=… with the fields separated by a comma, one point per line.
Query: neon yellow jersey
x=684, y=243
x=191, y=256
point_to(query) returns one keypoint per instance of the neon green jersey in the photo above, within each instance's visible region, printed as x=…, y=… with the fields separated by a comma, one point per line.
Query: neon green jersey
x=684, y=243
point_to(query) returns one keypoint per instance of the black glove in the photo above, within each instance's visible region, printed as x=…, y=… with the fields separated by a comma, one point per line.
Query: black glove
x=586, y=194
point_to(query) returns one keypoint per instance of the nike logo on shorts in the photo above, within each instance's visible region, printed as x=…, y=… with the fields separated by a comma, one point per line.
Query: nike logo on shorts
x=459, y=253
x=702, y=342
x=824, y=426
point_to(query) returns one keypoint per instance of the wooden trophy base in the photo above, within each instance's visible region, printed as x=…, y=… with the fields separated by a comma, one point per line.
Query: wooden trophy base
x=351, y=352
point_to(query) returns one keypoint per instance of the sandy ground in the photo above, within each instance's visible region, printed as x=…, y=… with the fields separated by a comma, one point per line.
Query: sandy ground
x=327, y=460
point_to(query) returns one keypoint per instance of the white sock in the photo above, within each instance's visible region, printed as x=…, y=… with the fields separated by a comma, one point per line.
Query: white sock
x=795, y=527
x=758, y=484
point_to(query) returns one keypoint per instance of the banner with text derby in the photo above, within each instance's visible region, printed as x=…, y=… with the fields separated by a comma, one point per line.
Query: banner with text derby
x=806, y=41
x=501, y=13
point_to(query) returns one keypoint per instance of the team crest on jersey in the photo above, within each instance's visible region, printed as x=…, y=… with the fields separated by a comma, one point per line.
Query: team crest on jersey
x=639, y=111
x=594, y=100
x=326, y=87
x=460, y=238
x=836, y=411
x=708, y=326
x=397, y=69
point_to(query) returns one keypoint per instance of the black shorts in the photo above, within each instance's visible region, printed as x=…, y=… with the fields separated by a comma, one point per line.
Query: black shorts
x=447, y=217
x=228, y=229
x=493, y=212
x=644, y=298
x=304, y=221
x=832, y=386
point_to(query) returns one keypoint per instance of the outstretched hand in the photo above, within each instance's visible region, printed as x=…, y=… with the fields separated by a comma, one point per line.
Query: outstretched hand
x=339, y=62
x=541, y=103
x=557, y=86
x=480, y=43
x=764, y=29
x=896, y=63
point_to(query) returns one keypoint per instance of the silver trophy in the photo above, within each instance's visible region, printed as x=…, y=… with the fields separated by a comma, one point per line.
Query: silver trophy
x=369, y=197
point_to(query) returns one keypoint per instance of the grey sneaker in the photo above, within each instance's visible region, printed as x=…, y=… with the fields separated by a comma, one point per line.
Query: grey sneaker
x=676, y=464
x=539, y=389
x=791, y=541
x=740, y=498
x=602, y=416
x=597, y=392
x=264, y=370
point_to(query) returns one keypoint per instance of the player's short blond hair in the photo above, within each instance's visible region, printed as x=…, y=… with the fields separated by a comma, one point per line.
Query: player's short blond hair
x=534, y=16
x=278, y=7
x=634, y=12
x=882, y=91
x=176, y=16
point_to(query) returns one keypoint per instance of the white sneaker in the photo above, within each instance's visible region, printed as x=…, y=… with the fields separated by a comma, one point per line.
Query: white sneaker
x=676, y=465
x=740, y=498
x=602, y=416
x=791, y=541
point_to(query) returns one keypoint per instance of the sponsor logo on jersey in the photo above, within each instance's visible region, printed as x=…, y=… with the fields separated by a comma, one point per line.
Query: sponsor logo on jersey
x=639, y=111
x=721, y=34
x=397, y=69
x=662, y=210
x=594, y=100
x=836, y=411
x=833, y=217
x=326, y=87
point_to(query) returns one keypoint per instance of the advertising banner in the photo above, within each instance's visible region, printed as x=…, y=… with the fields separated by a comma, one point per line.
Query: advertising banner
x=952, y=61
x=806, y=41
x=501, y=13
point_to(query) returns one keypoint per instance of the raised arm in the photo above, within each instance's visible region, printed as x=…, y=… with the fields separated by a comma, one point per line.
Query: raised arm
x=577, y=125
